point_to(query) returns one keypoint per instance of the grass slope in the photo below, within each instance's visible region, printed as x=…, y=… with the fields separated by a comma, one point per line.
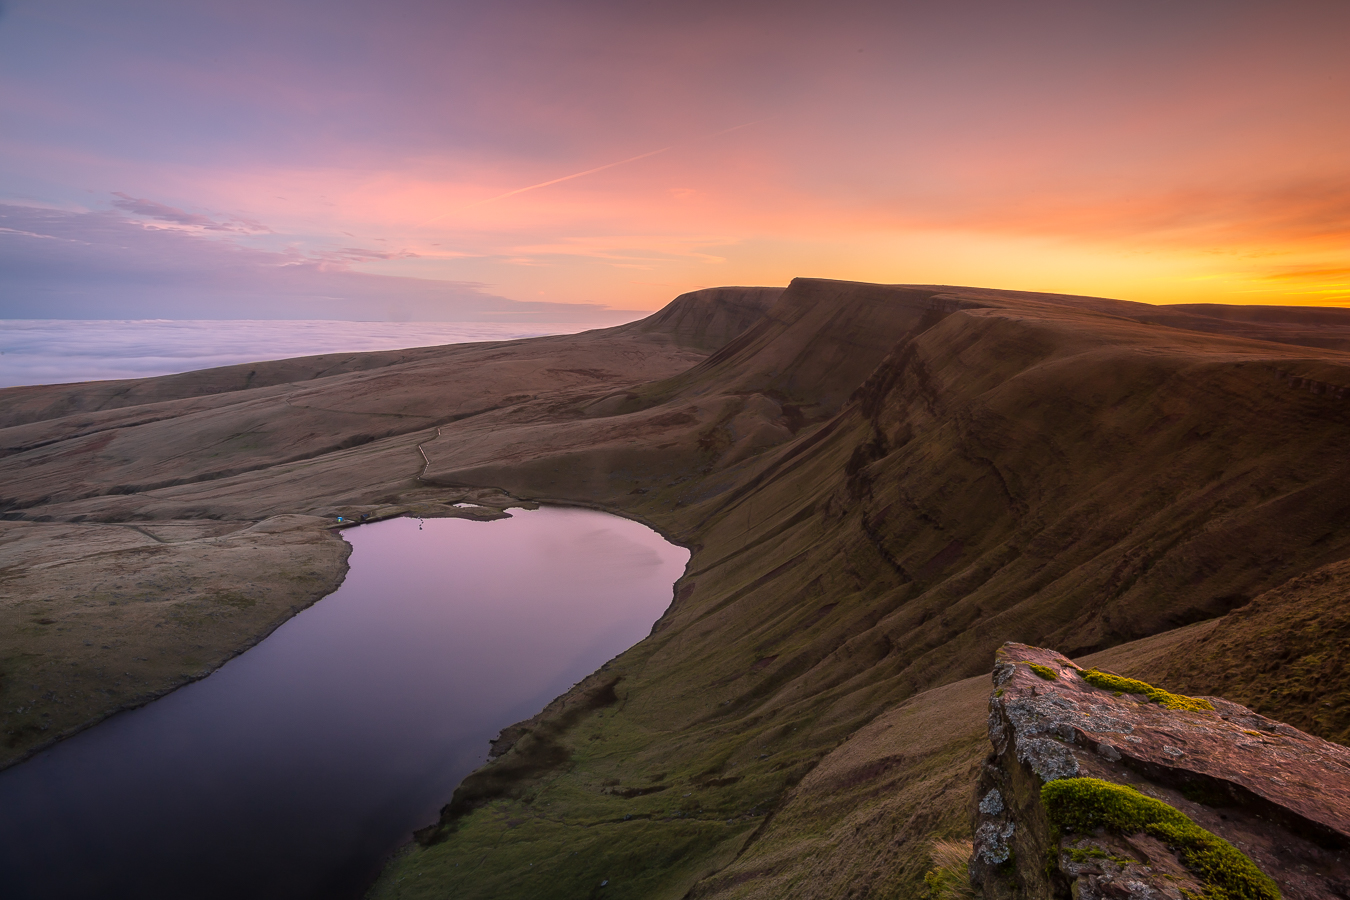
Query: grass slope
x=1006, y=470
x=880, y=485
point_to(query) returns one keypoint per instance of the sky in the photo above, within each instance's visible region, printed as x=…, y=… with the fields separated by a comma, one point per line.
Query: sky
x=588, y=161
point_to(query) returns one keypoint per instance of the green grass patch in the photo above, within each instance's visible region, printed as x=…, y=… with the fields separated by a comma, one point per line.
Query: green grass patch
x=1082, y=805
x=1045, y=672
x=511, y=849
x=1083, y=854
x=1108, y=682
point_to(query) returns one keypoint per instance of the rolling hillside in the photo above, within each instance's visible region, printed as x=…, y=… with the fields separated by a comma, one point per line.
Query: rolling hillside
x=880, y=485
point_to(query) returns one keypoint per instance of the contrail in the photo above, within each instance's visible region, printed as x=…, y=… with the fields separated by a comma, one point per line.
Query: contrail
x=570, y=177
x=731, y=129
x=621, y=162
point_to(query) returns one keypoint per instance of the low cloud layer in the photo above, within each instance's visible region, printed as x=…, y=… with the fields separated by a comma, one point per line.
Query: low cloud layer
x=102, y=264
x=63, y=351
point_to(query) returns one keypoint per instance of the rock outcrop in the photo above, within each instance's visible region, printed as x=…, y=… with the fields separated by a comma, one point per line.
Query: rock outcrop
x=1106, y=787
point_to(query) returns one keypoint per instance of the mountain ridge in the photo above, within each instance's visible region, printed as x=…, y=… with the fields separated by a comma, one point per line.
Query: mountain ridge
x=881, y=484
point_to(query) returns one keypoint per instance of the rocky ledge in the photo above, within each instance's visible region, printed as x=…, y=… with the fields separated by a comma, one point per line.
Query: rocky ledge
x=1101, y=786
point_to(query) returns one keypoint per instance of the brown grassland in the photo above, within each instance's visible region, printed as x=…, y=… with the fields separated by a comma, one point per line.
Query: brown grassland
x=880, y=485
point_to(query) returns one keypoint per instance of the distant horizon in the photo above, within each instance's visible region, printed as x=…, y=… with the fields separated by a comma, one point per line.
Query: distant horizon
x=605, y=318
x=597, y=323
x=67, y=351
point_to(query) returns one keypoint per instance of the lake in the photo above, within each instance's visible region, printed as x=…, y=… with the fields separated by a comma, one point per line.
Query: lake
x=297, y=767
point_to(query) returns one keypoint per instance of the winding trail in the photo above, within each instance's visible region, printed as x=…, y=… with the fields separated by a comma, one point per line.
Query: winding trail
x=141, y=530
x=426, y=460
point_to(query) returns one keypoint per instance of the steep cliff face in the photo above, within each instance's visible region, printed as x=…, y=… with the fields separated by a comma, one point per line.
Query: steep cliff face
x=1003, y=466
x=708, y=319
x=1101, y=786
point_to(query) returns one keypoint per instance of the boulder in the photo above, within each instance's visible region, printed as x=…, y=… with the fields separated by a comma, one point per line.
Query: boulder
x=1101, y=786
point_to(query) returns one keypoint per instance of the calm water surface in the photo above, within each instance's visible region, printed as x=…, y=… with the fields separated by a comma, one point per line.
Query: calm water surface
x=294, y=769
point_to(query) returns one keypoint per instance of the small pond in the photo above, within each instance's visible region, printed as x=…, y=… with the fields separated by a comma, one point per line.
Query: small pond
x=297, y=767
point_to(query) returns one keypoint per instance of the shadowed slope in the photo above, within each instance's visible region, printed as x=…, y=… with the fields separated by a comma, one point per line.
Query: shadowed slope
x=1005, y=468
x=1286, y=655
x=791, y=370
x=710, y=318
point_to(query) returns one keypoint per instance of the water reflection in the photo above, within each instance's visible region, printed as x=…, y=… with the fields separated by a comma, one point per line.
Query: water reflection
x=296, y=767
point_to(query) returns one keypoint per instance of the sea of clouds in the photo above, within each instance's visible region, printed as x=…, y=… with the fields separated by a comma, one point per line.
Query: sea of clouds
x=60, y=351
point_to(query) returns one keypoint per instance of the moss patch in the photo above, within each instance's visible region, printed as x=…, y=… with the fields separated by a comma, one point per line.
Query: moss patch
x=1045, y=672
x=1082, y=805
x=1108, y=682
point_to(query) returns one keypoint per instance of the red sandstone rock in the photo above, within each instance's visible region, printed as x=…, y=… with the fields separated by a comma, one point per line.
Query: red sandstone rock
x=1277, y=794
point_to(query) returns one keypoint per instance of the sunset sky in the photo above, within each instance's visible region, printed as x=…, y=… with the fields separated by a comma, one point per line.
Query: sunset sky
x=412, y=159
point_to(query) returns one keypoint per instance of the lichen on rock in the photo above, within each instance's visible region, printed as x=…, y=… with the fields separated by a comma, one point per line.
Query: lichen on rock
x=1048, y=758
x=991, y=842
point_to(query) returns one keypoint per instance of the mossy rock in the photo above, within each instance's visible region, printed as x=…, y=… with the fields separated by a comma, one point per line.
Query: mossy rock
x=1108, y=682
x=1045, y=672
x=1082, y=805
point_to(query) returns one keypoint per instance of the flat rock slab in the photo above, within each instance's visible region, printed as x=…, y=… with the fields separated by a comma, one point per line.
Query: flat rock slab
x=1277, y=794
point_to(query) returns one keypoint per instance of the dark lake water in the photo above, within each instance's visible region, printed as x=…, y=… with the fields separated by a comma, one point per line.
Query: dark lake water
x=293, y=770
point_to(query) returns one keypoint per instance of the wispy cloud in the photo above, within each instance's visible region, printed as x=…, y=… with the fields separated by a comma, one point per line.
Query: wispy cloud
x=1319, y=283
x=95, y=265
x=160, y=212
x=1338, y=274
x=344, y=255
x=1279, y=217
x=638, y=250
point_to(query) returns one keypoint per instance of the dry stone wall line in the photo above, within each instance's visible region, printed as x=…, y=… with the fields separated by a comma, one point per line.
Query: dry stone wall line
x=1312, y=385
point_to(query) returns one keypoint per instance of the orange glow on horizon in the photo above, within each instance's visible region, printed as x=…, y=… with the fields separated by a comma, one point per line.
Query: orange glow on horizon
x=1159, y=153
